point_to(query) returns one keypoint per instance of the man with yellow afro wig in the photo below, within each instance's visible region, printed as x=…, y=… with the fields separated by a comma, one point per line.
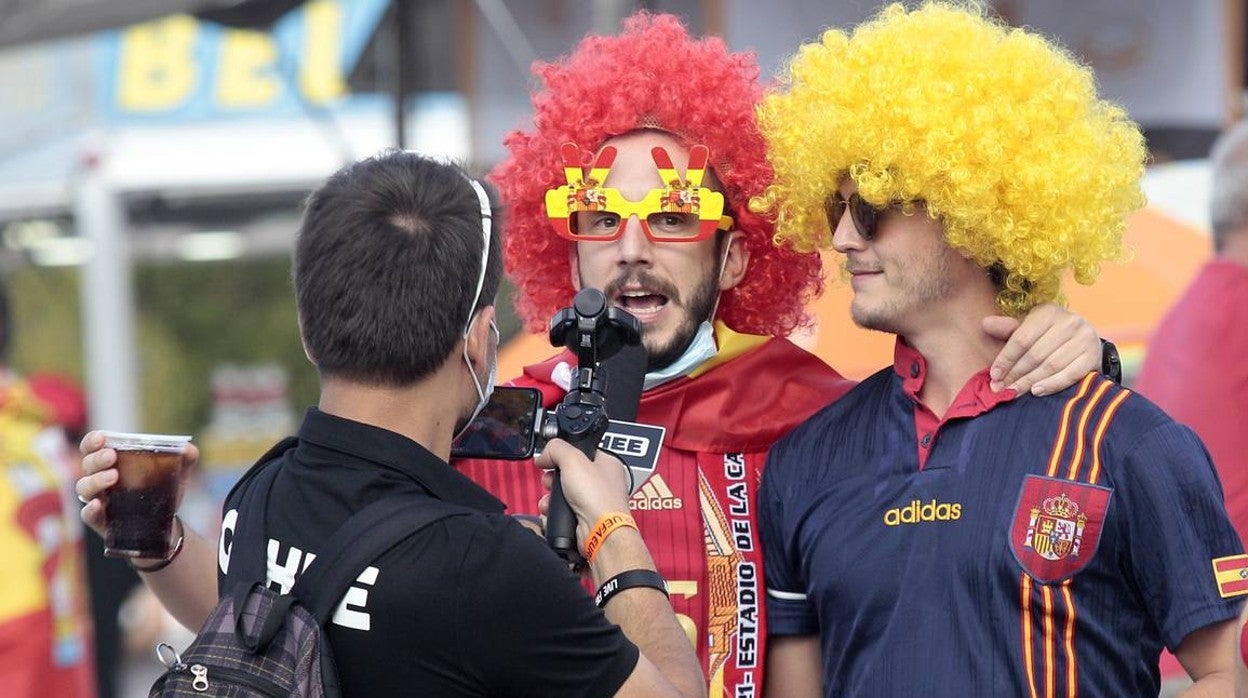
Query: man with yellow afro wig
x=998, y=132
x=924, y=535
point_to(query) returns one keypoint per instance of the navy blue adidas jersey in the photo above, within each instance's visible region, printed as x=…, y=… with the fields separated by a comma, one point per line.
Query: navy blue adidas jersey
x=1047, y=546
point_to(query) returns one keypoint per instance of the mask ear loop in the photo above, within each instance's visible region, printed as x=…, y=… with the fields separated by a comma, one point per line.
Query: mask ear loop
x=487, y=217
x=723, y=263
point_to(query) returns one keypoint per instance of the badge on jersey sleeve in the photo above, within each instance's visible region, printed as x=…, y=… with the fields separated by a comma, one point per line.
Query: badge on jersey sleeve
x=1057, y=526
x=1231, y=574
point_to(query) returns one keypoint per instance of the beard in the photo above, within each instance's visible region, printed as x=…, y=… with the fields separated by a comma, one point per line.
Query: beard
x=698, y=309
x=924, y=288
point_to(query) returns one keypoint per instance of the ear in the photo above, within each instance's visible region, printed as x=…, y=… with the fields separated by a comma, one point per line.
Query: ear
x=736, y=261
x=303, y=342
x=479, y=336
x=574, y=267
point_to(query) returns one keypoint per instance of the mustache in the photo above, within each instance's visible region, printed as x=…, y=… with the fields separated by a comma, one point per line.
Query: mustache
x=644, y=280
x=849, y=267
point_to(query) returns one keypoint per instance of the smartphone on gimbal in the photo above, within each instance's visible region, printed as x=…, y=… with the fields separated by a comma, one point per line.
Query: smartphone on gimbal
x=507, y=427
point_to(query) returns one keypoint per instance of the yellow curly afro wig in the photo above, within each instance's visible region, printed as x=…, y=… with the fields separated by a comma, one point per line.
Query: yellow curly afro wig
x=997, y=130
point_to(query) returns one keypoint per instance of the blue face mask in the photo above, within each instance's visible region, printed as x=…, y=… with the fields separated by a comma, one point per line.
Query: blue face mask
x=699, y=350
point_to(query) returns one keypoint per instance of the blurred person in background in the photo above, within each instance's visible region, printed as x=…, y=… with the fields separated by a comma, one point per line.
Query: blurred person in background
x=128, y=620
x=45, y=626
x=109, y=580
x=621, y=125
x=925, y=535
x=1195, y=368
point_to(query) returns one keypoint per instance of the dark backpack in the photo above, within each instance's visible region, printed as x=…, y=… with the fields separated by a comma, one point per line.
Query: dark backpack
x=257, y=642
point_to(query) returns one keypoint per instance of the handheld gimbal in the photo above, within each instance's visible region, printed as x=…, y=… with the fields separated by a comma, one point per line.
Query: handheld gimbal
x=594, y=332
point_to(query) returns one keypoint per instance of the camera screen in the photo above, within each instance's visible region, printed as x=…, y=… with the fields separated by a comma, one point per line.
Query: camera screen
x=505, y=429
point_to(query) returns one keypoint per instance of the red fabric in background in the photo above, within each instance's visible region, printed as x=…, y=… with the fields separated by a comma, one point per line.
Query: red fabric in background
x=1196, y=370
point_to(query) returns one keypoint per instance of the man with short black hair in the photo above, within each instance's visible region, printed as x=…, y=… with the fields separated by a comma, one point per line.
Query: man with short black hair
x=395, y=268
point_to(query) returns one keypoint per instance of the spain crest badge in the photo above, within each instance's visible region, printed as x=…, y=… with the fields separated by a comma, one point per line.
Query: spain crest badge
x=1057, y=526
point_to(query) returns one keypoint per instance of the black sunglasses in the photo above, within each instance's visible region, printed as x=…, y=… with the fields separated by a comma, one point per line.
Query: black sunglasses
x=865, y=215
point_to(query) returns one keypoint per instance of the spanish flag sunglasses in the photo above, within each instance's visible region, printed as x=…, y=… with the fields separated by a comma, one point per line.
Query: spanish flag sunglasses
x=682, y=211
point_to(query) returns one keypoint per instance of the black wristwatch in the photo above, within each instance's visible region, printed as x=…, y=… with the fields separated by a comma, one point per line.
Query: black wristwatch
x=1111, y=365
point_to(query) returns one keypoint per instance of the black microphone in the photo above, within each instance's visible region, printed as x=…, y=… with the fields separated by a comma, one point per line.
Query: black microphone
x=625, y=376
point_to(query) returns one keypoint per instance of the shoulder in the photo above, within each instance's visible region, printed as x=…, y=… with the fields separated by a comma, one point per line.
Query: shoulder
x=848, y=408
x=797, y=359
x=1096, y=401
x=1125, y=429
x=276, y=451
x=478, y=548
x=1213, y=301
x=541, y=377
x=807, y=380
x=831, y=430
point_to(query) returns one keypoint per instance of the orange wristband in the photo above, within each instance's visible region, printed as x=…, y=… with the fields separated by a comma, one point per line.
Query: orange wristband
x=605, y=527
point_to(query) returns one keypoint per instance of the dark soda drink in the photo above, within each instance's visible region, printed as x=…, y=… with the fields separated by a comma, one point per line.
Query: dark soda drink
x=139, y=509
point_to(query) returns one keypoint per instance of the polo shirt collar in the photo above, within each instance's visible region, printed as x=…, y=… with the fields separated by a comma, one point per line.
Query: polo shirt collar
x=975, y=398
x=360, y=441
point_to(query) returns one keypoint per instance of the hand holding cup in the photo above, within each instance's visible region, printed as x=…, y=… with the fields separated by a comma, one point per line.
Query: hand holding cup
x=132, y=486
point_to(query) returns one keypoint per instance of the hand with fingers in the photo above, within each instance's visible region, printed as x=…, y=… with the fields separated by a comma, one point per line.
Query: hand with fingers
x=100, y=474
x=1050, y=350
x=592, y=488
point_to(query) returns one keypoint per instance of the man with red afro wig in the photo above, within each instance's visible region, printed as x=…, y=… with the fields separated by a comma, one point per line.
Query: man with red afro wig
x=653, y=76
x=617, y=124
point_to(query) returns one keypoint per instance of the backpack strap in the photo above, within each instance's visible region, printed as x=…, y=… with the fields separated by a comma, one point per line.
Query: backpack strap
x=361, y=539
x=249, y=548
x=366, y=536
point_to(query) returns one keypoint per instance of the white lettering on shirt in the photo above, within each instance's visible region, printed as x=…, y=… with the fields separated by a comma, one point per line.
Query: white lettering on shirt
x=352, y=610
x=227, y=526
x=283, y=573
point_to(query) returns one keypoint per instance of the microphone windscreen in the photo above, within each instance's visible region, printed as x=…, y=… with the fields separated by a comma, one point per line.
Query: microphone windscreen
x=625, y=373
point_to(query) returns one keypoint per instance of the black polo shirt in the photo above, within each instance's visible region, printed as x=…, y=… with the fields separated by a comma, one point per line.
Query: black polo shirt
x=471, y=606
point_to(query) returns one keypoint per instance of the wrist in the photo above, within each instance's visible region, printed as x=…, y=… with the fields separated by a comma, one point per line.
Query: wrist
x=631, y=579
x=148, y=565
x=624, y=550
x=606, y=525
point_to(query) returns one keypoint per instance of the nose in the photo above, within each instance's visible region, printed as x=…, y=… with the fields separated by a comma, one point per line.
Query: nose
x=846, y=236
x=634, y=247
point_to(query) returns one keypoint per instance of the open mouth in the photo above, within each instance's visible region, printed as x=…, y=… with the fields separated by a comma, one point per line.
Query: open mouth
x=641, y=302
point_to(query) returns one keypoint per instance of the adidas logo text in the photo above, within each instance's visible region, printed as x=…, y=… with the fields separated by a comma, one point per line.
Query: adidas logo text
x=655, y=495
x=918, y=512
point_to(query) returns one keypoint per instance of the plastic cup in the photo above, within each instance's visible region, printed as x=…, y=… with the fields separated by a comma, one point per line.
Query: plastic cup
x=139, y=509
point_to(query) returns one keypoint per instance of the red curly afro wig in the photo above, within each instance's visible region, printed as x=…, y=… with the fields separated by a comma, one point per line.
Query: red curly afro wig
x=652, y=75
